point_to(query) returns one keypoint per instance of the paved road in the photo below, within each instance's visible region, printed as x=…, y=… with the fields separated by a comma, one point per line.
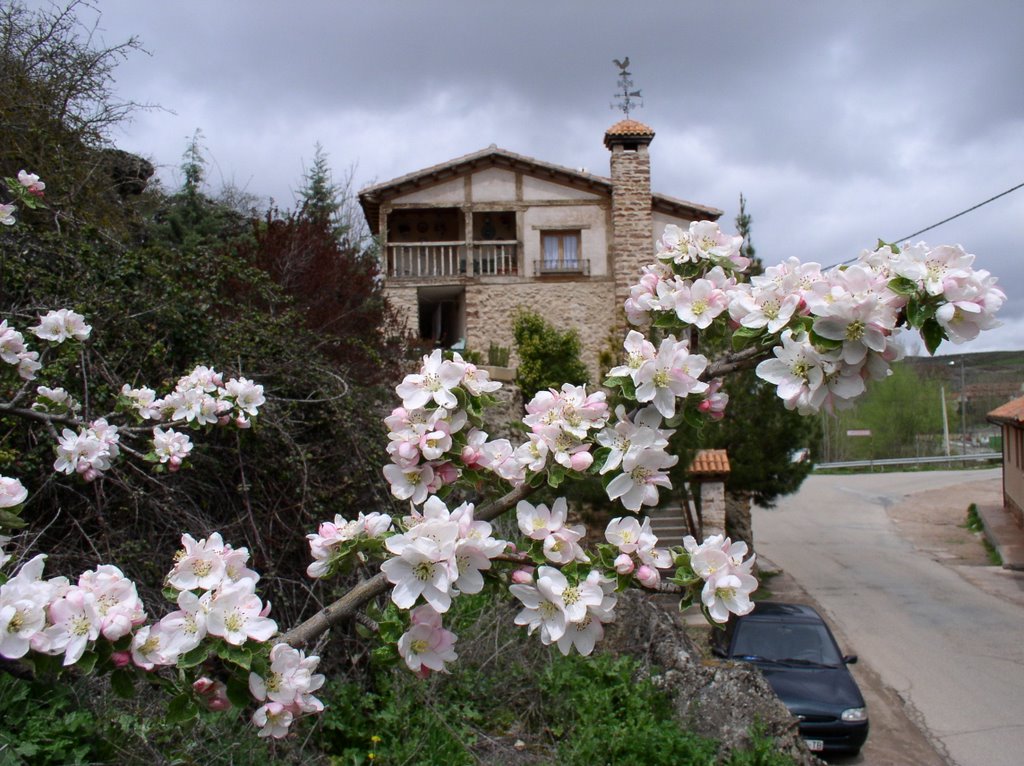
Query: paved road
x=953, y=652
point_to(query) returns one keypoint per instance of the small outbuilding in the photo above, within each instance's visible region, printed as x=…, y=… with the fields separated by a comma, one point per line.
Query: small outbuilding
x=1010, y=419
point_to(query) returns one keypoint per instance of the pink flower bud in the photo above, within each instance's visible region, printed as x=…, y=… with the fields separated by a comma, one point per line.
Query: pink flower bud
x=121, y=659
x=447, y=472
x=522, y=576
x=90, y=474
x=213, y=695
x=624, y=564
x=470, y=457
x=173, y=463
x=223, y=420
x=243, y=422
x=647, y=576
x=581, y=461
x=218, y=704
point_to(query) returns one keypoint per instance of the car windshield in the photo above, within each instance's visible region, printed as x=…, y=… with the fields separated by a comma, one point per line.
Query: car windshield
x=780, y=641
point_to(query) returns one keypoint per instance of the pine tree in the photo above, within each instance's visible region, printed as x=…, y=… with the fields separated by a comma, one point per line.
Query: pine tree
x=320, y=197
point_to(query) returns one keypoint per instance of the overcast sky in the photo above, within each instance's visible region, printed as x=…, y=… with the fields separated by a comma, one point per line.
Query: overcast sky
x=840, y=122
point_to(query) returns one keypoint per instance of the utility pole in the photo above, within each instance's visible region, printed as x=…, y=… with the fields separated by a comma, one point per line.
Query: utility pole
x=945, y=421
x=963, y=409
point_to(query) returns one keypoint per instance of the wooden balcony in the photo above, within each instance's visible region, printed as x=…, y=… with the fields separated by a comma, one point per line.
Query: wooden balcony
x=431, y=260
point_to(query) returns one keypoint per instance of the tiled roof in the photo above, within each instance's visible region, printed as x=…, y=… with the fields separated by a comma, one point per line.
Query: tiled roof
x=629, y=128
x=1010, y=413
x=371, y=197
x=710, y=462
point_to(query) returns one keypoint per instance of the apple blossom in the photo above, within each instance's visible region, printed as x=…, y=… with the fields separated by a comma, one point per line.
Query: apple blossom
x=236, y=614
x=427, y=645
x=434, y=382
x=61, y=325
x=7, y=214
x=31, y=183
x=12, y=492
x=273, y=720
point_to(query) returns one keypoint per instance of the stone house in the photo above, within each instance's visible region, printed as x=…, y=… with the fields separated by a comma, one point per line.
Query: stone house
x=467, y=242
x=1010, y=419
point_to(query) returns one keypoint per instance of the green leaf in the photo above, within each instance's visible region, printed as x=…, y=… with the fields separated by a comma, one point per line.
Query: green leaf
x=195, y=657
x=181, y=709
x=123, y=683
x=933, y=335
x=667, y=320
x=600, y=458
x=903, y=286
x=745, y=336
x=693, y=418
x=87, y=663
x=10, y=521
x=238, y=655
x=556, y=475
x=238, y=692
x=824, y=344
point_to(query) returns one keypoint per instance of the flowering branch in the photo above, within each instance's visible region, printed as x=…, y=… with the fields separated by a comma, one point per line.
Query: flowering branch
x=818, y=336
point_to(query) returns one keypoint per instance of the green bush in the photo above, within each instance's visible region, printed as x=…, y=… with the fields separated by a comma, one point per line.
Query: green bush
x=547, y=357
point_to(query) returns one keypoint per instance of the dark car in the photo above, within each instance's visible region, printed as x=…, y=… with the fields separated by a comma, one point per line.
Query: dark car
x=798, y=656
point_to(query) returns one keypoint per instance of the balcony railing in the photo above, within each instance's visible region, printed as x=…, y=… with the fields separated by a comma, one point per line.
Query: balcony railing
x=577, y=266
x=426, y=260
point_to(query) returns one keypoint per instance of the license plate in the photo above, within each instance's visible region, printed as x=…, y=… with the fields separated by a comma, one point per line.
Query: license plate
x=814, y=745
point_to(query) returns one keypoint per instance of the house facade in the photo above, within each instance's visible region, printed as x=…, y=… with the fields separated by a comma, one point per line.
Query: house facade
x=1010, y=419
x=468, y=242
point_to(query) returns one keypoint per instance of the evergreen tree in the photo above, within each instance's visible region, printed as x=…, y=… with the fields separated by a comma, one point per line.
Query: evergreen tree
x=758, y=432
x=320, y=197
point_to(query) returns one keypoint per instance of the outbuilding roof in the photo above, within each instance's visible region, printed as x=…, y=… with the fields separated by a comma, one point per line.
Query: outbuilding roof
x=1011, y=413
x=710, y=462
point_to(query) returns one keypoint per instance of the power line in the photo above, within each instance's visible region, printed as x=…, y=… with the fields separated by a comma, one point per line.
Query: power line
x=944, y=220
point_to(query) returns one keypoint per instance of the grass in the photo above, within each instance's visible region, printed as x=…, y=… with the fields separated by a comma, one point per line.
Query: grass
x=976, y=525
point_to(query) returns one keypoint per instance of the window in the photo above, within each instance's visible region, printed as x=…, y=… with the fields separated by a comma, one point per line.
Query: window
x=560, y=251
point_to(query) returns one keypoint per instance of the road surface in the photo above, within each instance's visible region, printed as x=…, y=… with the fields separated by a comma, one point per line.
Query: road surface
x=954, y=653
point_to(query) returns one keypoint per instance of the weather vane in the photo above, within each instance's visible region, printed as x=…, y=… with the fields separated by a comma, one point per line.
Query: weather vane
x=626, y=98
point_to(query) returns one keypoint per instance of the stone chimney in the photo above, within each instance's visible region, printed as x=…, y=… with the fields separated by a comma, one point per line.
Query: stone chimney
x=632, y=220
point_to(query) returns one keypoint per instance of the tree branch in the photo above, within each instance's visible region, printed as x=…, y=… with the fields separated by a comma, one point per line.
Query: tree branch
x=738, y=360
x=345, y=608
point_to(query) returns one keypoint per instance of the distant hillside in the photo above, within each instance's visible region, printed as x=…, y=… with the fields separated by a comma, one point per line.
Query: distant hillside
x=990, y=378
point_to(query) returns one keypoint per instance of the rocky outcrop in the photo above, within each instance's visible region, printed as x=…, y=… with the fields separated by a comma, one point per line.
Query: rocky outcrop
x=128, y=172
x=720, y=700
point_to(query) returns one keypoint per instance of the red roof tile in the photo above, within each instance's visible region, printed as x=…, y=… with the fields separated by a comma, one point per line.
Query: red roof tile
x=710, y=462
x=1010, y=413
x=630, y=128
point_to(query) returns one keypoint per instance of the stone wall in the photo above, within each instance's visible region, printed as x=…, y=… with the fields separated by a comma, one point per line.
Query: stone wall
x=587, y=307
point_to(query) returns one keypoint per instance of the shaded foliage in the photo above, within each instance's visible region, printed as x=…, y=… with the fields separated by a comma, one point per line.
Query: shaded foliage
x=336, y=290
x=548, y=357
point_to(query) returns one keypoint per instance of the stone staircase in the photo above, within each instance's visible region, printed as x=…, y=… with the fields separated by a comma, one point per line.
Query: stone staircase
x=669, y=524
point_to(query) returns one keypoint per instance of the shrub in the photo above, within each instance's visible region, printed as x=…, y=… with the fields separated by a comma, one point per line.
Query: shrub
x=547, y=357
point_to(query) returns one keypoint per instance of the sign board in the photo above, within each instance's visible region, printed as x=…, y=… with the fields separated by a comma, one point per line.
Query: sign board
x=859, y=432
